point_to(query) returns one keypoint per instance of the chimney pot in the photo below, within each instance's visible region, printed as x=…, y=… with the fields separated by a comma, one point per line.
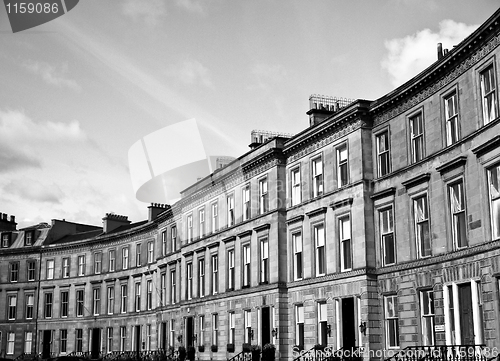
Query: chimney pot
x=12, y=219
x=439, y=50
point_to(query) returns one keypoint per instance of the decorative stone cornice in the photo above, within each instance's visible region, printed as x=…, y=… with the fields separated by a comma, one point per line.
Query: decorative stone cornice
x=342, y=203
x=421, y=178
x=262, y=227
x=295, y=219
x=229, y=239
x=452, y=164
x=245, y=233
x=384, y=193
x=316, y=212
x=491, y=144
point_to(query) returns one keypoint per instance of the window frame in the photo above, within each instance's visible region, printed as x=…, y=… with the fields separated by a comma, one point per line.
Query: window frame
x=317, y=178
x=427, y=317
x=263, y=194
x=112, y=260
x=389, y=233
x=298, y=255
x=246, y=265
x=383, y=156
x=457, y=214
x=391, y=320
x=494, y=200
x=345, y=243
x=11, y=307
x=201, y=222
x=66, y=267
x=201, y=277
x=97, y=263
x=485, y=68
x=64, y=301
x=417, y=154
x=81, y=265
x=319, y=256
x=264, y=269
x=342, y=164
x=31, y=271
x=245, y=202
x=214, y=209
x=452, y=134
x=295, y=186
x=14, y=272
x=416, y=222
x=231, y=270
x=80, y=302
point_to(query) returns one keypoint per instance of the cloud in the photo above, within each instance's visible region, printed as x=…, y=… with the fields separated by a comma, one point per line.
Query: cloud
x=34, y=191
x=408, y=56
x=150, y=11
x=52, y=75
x=22, y=140
x=190, y=5
x=191, y=72
x=266, y=74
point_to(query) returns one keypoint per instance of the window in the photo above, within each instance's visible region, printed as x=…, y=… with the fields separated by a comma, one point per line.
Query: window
x=317, y=175
x=488, y=94
x=109, y=339
x=494, y=186
x=12, y=306
x=230, y=210
x=451, y=118
x=97, y=263
x=149, y=294
x=124, y=295
x=201, y=328
x=65, y=267
x=319, y=243
x=138, y=255
x=299, y=325
x=79, y=339
x=230, y=270
x=164, y=243
x=427, y=314
x=81, y=265
x=31, y=265
x=263, y=196
x=50, y=269
x=28, y=238
x=30, y=301
x=215, y=274
x=215, y=329
x=151, y=252
x=173, y=239
x=11, y=337
x=391, y=321
x=112, y=260
x=383, y=154
x=28, y=342
x=189, y=278
x=246, y=265
x=201, y=218
x=296, y=187
x=6, y=237
x=173, y=292
x=63, y=337
x=264, y=260
x=14, y=272
x=48, y=300
x=111, y=300
x=247, y=320
x=64, y=303
x=457, y=208
x=246, y=202
x=232, y=327
x=96, y=304
x=342, y=166
x=163, y=286
x=123, y=338
x=215, y=217
x=322, y=324
x=125, y=258
x=172, y=333
x=297, y=255
x=201, y=278
x=148, y=337
x=345, y=244
x=79, y=303
x=137, y=300
x=417, y=137
x=387, y=236
x=189, y=228
x=422, y=229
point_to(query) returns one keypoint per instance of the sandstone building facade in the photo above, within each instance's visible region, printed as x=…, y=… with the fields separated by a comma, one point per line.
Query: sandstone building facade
x=378, y=227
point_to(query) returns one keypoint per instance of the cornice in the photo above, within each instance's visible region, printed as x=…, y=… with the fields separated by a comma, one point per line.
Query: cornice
x=262, y=227
x=491, y=144
x=316, y=212
x=342, y=203
x=412, y=182
x=452, y=164
x=245, y=233
x=295, y=219
x=229, y=239
x=384, y=193
x=214, y=244
x=397, y=104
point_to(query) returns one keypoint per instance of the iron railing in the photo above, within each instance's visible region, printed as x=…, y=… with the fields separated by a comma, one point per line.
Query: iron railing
x=326, y=353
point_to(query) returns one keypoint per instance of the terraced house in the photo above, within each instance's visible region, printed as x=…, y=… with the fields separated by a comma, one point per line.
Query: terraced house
x=376, y=228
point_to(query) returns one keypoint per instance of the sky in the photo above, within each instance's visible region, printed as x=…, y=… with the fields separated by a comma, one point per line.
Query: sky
x=77, y=92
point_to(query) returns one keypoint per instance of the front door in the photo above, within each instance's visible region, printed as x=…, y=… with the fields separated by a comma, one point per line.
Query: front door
x=46, y=343
x=466, y=316
x=164, y=335
x=95, y=348
x=266, y=325
x=137, y=341
x=348, y=324
x=189, y=332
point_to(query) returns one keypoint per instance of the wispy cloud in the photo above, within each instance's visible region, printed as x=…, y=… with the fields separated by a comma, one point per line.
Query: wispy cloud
x=22, y=139
x=267, y=74
x=191, y=72
x=52, y=75
x=191, y=5
x=408, y=56
x=150, y=11
x=33, y=190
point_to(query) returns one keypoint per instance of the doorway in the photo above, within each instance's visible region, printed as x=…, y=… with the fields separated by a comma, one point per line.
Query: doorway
x=189, y=331
x=163, y=344
x=46, y=340
x=348, y=324
x=137, y=338
x=266, y=325
x=95, y=347
x=466, y=315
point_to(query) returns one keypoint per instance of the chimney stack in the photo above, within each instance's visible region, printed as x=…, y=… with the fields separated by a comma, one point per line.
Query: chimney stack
x=155, y=209
x=440, y=50
x=6, y=224
x=113, y=221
